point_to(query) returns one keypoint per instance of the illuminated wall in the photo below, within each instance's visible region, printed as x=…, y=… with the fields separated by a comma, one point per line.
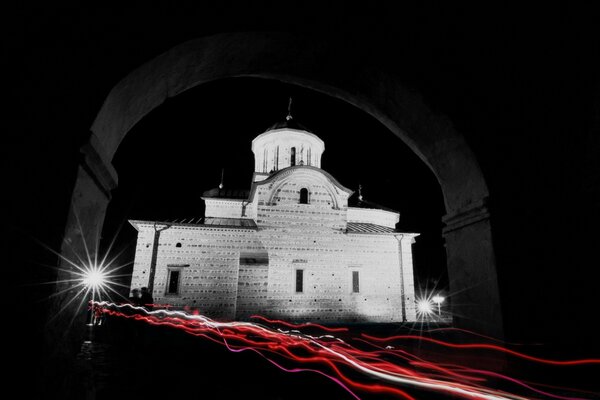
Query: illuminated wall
x=293, y=249
x=281, y=148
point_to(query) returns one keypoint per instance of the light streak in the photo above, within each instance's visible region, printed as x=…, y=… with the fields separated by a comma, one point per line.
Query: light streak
x=391, y=371
x=297, y=326
x=484, y=346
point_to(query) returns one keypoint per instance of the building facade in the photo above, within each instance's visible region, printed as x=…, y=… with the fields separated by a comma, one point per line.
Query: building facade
x=291, y=247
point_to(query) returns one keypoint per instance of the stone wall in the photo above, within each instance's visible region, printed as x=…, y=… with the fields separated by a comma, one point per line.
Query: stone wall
x=328, y=259
x=233, y=273
x=208, y=259
x=373, y=216
x=229, y=272
x=224, y=208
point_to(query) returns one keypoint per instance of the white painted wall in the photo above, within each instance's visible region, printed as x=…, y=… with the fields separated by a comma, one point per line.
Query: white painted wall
x=213, y=280
x=373, y=216
x=272, y=149
x=224, y=208
x=289, y=236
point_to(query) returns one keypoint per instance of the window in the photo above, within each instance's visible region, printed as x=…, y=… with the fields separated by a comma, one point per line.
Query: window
x=173, y=281
x=293, y=156
x=355, y=282
x=304, y=196
x=299, y=280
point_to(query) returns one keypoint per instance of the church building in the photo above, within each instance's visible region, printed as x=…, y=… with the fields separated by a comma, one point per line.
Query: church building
x=291, y=247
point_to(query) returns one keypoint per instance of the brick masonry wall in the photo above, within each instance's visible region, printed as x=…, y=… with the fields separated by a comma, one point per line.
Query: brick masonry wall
x=232, y=273
x=223, y=208
x=373, y=216
x=252, y=293
x=214, y=281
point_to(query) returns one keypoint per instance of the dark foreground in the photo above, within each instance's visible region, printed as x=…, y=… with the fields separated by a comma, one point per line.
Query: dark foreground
x=129, y=359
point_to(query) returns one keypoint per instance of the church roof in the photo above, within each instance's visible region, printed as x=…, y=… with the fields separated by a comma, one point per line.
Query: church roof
x=289, y=123
x=240, y=194
x=243, y=223
x=354, y=201
x=230, y=222
x=364, y=227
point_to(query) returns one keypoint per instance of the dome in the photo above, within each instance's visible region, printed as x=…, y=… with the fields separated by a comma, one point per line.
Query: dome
x=289, y=123
x=286, y=144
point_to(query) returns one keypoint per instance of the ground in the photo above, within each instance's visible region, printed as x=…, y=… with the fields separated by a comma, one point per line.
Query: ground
x=127, y=359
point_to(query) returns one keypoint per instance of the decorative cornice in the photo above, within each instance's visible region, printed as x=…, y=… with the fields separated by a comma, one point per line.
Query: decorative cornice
x=474, y=213
x=400, y=235
x=138, y=223
x=223, y=199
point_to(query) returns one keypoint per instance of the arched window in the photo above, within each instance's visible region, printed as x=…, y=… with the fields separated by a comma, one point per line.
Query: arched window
x=304, y=196
x=293, y=156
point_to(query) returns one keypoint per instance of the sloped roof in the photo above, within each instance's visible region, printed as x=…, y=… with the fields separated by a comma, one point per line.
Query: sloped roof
x=239, y=194
x=290, y=123
x=230, y=222
x=237, y=223
x=193, y=220
x=355, y=202
x=364, y=227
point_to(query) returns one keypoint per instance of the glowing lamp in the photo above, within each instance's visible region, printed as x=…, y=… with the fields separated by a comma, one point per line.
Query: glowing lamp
x=437, y=299
x=424, y=306
x=94, y=278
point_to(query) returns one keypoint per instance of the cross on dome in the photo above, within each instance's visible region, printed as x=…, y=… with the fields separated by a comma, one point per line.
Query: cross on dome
x=289, y=114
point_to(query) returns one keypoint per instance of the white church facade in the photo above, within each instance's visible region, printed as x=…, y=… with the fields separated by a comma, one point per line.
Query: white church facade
x=290, y=248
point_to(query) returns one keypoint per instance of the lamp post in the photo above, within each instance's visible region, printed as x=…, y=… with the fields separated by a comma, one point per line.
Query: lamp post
x=437, y=299
x=94, y=279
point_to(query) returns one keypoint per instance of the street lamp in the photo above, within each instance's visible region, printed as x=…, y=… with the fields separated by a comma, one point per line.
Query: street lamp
x=94, y=279
x=424, y=307
x=438, y=300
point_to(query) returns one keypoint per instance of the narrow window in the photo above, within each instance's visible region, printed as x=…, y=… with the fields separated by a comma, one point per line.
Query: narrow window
x=173, y=287
x=299, y=280
x=304, y=196
x=265, y=158
x=355, y=282
x=293, y=156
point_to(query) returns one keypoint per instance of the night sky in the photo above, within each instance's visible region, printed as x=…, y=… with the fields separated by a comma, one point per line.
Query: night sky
x=521, y=84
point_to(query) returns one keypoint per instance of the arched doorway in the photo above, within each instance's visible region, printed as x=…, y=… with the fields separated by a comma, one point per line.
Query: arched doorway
x=296, y=60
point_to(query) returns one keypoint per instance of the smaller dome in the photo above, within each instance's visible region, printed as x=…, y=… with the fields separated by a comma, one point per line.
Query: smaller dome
x=285, y=145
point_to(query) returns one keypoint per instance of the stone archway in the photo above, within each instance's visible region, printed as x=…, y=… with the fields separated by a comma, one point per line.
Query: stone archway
x=297, y=60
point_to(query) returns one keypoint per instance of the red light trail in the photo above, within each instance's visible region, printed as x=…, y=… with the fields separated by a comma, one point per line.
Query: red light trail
x=359, y=364
x=483, y=346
